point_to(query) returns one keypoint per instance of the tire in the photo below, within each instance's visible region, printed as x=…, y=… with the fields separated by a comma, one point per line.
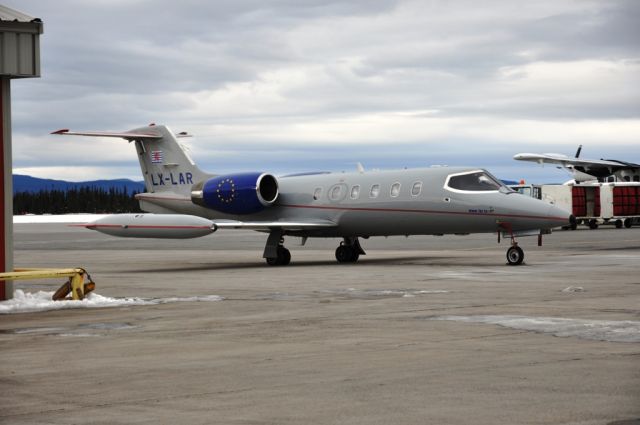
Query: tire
x=593, y=224
x=515, y=255
x=618, y=224
x=628, y=223
x=344, y=254
x=284, y=256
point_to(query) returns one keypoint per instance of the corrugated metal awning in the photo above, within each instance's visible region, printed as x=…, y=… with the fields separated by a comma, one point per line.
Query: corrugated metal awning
x=8, y=14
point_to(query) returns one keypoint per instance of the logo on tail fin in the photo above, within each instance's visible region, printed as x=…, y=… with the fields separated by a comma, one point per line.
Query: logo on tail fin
x=157, y=157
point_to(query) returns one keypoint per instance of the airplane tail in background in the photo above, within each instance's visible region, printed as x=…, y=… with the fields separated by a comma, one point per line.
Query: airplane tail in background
x=165, y=165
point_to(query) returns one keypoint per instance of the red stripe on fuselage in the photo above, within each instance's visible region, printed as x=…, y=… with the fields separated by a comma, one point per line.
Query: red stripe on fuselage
x=418, y=211
x=401, y=210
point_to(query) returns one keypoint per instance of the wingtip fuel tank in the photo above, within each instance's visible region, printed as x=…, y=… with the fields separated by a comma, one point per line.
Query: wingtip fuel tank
x=166, y=226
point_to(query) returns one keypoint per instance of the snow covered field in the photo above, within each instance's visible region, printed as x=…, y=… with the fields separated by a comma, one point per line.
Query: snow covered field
x=597, y=330
x=64, y=218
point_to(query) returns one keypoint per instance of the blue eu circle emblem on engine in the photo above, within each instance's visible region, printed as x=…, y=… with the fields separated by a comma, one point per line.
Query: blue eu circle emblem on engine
x=226, y=191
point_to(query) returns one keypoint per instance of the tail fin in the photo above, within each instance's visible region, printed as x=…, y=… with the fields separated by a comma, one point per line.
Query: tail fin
x=166, y=167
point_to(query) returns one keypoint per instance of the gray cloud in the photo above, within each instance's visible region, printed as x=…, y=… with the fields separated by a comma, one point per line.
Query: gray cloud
x=329, y=80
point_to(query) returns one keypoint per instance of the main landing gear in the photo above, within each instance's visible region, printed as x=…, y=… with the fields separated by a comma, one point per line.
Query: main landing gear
x=274, y=252
x=349, y=250
x=277, y=255
x=283, y=257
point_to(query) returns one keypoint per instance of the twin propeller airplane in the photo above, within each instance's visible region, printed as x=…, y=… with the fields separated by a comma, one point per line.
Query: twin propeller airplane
x=587, y=170
x=186, y=202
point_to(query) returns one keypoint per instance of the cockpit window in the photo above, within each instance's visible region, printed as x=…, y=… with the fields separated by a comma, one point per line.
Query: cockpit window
x=476, y=181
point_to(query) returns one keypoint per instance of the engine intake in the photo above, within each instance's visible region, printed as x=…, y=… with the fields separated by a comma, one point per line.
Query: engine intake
x=244, y=193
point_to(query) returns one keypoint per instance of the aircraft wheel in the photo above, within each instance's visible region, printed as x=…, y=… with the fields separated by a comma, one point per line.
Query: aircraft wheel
x=283, y=258
x=346, y=254
x=515, y=255
x=593, y=224
x=574, y=226
x=284, y=255
x=618, y=224
x=628, y=223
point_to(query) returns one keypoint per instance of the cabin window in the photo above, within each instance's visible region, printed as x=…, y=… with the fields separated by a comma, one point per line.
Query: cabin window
x=336, y=192
x=317, y=193
x=355, y=192
x=475, y=181
x=395, y=190
x=375, y=191
x=416, y=189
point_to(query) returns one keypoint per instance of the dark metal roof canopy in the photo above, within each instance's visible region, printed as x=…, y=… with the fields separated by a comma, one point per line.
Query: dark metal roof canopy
x=19, y=44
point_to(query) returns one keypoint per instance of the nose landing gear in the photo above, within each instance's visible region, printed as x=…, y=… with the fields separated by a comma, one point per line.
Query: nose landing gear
x=515, y=255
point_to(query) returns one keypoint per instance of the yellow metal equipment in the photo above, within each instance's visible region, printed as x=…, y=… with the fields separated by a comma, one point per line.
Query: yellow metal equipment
x=75, y=283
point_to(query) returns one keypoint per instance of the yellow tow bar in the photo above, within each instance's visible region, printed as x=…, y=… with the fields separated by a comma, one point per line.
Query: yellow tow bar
x=75, y=283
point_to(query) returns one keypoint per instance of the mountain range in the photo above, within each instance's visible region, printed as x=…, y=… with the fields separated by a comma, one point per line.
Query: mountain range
x=22, y=183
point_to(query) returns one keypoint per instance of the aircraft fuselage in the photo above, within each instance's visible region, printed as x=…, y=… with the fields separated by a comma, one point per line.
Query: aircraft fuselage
x=385, y=203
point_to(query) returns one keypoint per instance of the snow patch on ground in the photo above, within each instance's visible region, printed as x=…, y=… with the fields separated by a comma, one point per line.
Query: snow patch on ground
x=63, y=218
x=574, y=289
x=388, y=293
x=598, y=330
x=26, y=302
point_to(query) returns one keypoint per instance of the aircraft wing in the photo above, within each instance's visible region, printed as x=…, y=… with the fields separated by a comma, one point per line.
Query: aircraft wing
x=164, y=200
x=183, y=226
x=587, y=164
x=124, y=135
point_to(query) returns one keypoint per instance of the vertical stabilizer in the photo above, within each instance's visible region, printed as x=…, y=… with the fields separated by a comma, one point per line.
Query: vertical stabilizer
x=166, y=166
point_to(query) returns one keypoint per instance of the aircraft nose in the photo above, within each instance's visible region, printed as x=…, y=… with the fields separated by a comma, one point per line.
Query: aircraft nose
x=559, y=216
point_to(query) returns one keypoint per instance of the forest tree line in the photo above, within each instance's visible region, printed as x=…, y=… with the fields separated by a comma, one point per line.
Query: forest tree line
x=77, y=200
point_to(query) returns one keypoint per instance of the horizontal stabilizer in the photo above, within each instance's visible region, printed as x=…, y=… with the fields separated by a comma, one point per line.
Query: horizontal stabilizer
x=123, y=135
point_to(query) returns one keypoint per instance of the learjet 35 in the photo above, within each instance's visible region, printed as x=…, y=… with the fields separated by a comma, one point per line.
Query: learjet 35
x=186, y=202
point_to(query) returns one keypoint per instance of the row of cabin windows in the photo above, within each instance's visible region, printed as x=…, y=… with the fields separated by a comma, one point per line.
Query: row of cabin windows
x=374, y=192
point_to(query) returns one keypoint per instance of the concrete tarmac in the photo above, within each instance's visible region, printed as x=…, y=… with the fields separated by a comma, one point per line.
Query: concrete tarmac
x=318, y=342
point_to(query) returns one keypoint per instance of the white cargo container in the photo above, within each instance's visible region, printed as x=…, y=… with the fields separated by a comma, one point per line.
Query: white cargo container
x=592, y=203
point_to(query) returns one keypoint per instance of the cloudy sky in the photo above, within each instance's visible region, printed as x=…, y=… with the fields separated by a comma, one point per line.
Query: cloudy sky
x=294, y=85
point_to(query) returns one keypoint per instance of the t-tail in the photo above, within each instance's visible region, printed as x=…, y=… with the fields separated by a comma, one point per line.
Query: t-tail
x=165, y=165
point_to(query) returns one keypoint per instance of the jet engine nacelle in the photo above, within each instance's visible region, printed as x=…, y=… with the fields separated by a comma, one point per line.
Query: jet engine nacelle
x=244, y=193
